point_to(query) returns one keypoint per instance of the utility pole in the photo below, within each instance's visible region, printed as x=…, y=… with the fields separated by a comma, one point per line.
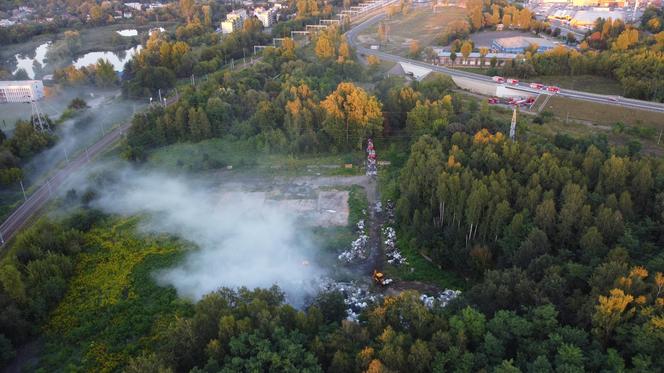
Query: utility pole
x=23, y=190
x=513, y=125
x=660, y=136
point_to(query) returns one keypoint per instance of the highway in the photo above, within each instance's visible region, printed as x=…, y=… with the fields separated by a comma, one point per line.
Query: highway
x=351, y=36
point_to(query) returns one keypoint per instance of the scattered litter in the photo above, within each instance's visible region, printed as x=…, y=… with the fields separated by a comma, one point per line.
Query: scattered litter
x=357, y=297
x=441, y=300
x=392, y=253
x=359, y=249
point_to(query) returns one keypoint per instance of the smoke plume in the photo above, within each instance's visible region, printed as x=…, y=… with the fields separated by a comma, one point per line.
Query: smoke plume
x=240, y=239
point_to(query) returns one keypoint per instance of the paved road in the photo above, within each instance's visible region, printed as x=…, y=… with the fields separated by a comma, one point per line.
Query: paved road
x=351, y=35
x=43, y=194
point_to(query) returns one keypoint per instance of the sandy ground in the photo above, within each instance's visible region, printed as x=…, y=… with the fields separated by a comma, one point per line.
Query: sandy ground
x=318, y=201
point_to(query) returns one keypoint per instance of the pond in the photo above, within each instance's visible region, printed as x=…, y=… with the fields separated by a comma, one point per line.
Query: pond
x=118, y=60
x=28, y=63
x=35, y=62
x=128, y=32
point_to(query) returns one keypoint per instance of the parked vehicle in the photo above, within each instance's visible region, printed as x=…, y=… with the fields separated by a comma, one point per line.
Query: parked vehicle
x=536, y=85
x=498, y=79
x=553, y=89
x=513, y=81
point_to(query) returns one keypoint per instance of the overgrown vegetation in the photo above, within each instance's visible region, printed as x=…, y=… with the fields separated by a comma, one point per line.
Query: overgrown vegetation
x=557, y=239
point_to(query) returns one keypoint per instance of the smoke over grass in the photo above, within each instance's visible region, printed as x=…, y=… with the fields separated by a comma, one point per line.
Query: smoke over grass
x=240, y=239
x=75, y=134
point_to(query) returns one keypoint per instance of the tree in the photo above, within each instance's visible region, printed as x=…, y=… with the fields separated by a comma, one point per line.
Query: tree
x=344, y=52
x=611, y=311
x=383, y=31
x=12, y=283
x=96, y=14
x=207, y=15
x=324, y=47
x=199, y=124
x=466, y=48
x=453, y=57
x=288, y=48
x=571, y=38
x=7, y=352
x=105, y=75
x=351, y=114
x=187, y=9
x=483, y=52
x=414, y=49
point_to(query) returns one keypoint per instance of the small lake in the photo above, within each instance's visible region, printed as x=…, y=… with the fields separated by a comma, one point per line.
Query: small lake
x=28, y=63
x=117, y=59
x=128, y=32
x=34, y=65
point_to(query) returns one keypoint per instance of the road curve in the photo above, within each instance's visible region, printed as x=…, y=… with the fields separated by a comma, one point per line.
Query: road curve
x=351, y=36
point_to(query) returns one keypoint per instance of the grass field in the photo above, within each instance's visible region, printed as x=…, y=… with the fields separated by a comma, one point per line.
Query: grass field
x=602, y=114
x=219, y=153
x=420, y=24
x=420, y=269
x=586, y=83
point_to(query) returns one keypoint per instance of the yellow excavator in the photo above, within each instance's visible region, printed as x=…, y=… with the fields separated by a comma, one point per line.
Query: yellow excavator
x=378, y=277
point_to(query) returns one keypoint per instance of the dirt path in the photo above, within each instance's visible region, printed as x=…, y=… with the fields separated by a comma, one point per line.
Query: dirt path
x=376, y=219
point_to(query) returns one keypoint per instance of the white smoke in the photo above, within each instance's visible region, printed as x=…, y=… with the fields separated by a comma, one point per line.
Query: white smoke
x=241, y=240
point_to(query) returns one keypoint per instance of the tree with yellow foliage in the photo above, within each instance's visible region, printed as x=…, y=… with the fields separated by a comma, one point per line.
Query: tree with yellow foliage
x=207, y=15
x=483, y=52
x=344, y=52
x=373, y=61
x=351, y=115
x=610, y=311
x=288, y=48
x=383, y=31
x=324, y=47
x=466, y=49
x=187, y=9
x=414, y=48
x=376, y=367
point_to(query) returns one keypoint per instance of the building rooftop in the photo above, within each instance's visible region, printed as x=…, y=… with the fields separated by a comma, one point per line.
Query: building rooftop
x=590, y=16
x=500, y=56
x=523, y=42
x=12, y=83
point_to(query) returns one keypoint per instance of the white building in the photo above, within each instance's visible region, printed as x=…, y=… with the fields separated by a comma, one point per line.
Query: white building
x=135, y=6
x=21, y=90
x=234, y=21
x=267, y=16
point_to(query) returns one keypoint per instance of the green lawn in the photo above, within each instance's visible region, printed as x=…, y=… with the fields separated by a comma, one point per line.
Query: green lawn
x=217, y=154
x=587, y=83
x=420, y=269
